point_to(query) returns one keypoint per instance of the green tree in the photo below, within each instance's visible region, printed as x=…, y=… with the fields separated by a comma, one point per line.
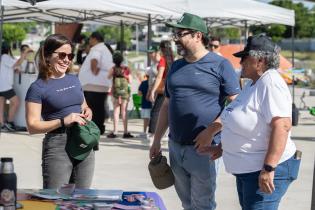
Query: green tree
x=304, y=19
x=112, y=34
x=230, y=33
x=304, y=22
x=13, y=33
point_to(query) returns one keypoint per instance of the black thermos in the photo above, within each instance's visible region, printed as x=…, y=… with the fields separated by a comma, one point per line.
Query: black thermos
x=7, y=185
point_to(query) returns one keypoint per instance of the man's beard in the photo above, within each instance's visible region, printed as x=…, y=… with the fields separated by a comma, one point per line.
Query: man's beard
x=181, y=50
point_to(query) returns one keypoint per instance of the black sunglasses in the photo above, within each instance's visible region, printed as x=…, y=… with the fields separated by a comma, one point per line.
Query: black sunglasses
x=62, y=55
x=179, y=35
x=214, y=46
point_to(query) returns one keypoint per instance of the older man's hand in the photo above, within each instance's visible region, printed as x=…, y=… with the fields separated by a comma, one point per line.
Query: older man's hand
x=203, y=140
x=265, y=181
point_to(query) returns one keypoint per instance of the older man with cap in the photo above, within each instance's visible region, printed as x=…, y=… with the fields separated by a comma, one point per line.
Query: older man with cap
x=256, y=142
x=196, y=89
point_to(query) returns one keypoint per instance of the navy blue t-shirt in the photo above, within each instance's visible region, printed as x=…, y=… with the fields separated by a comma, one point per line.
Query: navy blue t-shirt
x=59, y=97
x=144, y=86
x=197, y=93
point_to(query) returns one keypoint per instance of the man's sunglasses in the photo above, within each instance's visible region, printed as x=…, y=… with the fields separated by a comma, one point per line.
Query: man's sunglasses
x=62, y=55
x=179, y=35
x=214, y=46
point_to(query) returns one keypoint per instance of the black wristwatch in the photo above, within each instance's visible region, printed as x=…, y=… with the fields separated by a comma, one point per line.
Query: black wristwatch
x=269, y=168
x=62, y=122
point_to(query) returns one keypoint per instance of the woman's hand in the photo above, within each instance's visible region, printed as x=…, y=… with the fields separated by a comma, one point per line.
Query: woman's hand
x=87, y=112
x=74, y=117
x=152, y=96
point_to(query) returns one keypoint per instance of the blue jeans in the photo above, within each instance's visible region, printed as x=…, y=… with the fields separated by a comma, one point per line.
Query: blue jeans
x=59, y=168
x=195, y=177
x=251, y=198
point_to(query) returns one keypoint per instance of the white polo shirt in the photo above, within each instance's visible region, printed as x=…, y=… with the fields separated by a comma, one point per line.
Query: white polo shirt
x=246, y=123
x=105, y=62
x=6, y=72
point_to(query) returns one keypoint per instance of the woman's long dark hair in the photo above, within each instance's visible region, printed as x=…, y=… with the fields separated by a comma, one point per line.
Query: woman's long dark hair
x=166, y=49
x=44, y=53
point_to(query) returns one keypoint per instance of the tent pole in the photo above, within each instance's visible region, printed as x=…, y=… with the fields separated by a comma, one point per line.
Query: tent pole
x=121, y=37
x=313, y=191
x=1, y=28
x=246, y=32
x=137, y=39
x=292, y=45
x=149, y=38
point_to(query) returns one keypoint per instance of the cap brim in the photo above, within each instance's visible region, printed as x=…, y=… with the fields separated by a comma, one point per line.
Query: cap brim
x=240, y=54
x=175, y=25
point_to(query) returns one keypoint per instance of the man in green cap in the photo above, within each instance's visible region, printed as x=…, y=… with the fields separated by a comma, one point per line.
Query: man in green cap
x=196, y=89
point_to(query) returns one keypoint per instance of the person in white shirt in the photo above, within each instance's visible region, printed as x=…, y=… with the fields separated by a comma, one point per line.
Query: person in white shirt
x=93, y=77
x=256, y=142
x=8, y=65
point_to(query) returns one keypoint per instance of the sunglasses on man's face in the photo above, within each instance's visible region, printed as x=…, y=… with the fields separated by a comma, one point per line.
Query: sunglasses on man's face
x=180, y=34
x=62, y=55
x=214, y=46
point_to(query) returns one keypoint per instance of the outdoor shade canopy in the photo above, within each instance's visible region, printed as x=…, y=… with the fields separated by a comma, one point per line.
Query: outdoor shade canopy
x=216, y=12
x=106, y=12
x=231, y=12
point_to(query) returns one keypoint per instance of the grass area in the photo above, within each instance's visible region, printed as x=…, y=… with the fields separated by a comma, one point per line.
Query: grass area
x=303, y=56
x=304, y=60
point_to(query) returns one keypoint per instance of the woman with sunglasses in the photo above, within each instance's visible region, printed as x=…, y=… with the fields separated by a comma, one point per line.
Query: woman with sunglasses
x=53, y=102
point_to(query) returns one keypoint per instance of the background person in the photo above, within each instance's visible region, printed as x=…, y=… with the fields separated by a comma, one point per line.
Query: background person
x=57, y=98
x=8, y=66
x=256, y=142
x=196, y=88
x=145, y=105
x=215, y=45
x=93, y=77
x=164, y=58
x=121, y=76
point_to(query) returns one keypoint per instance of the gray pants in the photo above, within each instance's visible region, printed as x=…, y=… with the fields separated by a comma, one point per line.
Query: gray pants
x=58, y=168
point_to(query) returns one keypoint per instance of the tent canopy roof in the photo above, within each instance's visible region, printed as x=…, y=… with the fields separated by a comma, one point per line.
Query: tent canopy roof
x=216, y=12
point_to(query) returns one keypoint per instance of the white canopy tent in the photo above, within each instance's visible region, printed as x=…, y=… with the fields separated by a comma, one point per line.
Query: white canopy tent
x=114, y=12
x=231, y=12
x=217, y=12
x=108, y=12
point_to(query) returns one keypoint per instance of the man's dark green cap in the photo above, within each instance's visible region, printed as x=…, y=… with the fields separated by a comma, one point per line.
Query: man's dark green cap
x=190, y=21
x=153, y=49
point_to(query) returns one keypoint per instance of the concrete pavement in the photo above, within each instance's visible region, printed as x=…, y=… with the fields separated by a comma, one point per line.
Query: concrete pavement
x=122, y=164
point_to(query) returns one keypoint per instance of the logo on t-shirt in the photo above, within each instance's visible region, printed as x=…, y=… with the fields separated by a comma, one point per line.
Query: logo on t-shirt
x=65, y=88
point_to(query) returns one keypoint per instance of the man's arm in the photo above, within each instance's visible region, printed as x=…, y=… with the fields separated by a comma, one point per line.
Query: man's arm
x=161, y=128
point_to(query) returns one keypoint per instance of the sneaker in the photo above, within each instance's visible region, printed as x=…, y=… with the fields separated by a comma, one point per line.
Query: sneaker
x=111, y=135
x=9, y=126
x=127, y=135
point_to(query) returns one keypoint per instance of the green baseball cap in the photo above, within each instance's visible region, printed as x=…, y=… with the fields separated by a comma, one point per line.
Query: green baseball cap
x=190, y=21
x=81, y=139
x=153, y=49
